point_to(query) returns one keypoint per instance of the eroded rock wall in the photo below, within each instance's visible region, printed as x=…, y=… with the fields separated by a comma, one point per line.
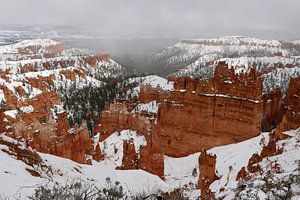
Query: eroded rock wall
x=204, y=114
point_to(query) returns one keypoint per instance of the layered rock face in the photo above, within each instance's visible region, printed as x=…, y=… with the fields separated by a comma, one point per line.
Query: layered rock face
x=117, y=117
x=199, y=114
x=204, y=114
x=197, y=110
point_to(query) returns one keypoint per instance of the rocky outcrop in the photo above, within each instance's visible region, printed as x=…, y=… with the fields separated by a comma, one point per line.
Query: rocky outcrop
x=272, y=110
x=207, y=167
x=242, y=175
x=30, y=51
x=18, y=151
x=196, y=115
x=92, y=60
x=131, y=160
x=117, y=116
x=97, y=154
x=291, y=119
x=44, y=133
x=57, y=138
x=268, y=150
x=152, y=161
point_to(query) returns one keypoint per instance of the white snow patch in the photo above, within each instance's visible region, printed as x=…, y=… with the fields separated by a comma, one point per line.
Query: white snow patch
x=15, y=181
x=151, y=107
x=27, y=109
x=2, y=96
x=112, y=147
x=11, y=113
x=182, y=171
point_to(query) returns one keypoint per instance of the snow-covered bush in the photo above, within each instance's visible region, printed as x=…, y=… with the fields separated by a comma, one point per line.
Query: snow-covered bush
x=269, y=186
x=79, y=190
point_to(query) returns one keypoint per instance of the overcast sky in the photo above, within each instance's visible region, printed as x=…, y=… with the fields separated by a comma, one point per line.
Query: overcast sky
x=278, y=19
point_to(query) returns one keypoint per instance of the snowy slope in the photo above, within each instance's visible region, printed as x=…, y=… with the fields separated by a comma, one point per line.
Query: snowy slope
x=14, y=48
x=230, y=46
x=231, y=158
x=15, y=181
x=65, y=60
x=276, y=71
x=277, y=60
x=179, y=172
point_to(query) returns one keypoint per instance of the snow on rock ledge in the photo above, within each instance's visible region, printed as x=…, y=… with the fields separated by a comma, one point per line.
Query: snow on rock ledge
x=151, y=107
x=151, y=80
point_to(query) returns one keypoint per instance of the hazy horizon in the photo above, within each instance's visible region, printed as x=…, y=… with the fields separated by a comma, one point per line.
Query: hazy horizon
x=273, y=19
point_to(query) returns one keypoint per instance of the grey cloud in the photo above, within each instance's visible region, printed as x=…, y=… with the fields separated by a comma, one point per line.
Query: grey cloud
x=185, y=18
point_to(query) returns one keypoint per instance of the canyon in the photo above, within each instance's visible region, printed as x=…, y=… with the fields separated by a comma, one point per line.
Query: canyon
x=201, y=114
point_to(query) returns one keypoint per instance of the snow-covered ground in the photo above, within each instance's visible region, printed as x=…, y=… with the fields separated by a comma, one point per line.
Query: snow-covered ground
x=179, y=172
x=15, y=181
x=13, y=48
x=231, y=158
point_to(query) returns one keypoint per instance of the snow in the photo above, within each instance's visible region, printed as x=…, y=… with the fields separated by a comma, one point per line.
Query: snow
x=27, y=109
x=155, y=81
x=179, y=171
x=277, y=71
x=238, y=40
x=11, y=113
x=13, y=48
x=16, y=182
x=206, y=50
x=151, y=107
x=231, y=158
x=287, y=165
x=17, y=82
x=230, y=97
x=290, y=157
x=13, y=177
x=152, y=80
x=36, y=42
x=20, y=80
x=2, y=96
x=112, y=147
x=199, y=58
x=74, y=60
